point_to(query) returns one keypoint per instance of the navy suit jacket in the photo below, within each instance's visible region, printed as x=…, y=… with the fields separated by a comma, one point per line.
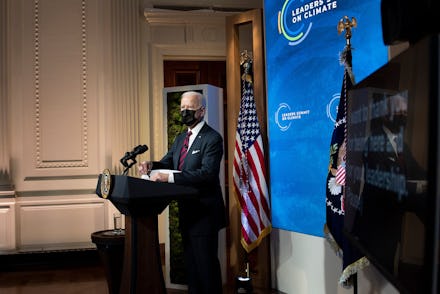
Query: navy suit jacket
x=207, y=214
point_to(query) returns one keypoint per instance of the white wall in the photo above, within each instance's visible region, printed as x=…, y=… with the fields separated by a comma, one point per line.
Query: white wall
x=306, y=264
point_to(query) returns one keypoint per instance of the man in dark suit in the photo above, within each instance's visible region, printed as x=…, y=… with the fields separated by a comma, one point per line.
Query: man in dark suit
x=197, y=153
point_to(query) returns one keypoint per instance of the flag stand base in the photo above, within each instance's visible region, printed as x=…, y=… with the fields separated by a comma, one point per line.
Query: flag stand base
x=355, y=284
x=243, y=285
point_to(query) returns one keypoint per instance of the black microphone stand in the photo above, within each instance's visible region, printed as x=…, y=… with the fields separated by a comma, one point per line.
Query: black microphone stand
x=127, y=156
x=129, y=166
x=132, y=156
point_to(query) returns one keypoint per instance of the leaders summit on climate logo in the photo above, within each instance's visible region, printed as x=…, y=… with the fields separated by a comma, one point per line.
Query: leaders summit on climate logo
x=295, y=18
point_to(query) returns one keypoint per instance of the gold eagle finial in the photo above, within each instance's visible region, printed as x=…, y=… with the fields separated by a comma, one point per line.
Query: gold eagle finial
x=346, y=24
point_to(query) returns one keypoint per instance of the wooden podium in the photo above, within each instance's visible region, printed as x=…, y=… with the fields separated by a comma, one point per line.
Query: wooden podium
x=141, y=201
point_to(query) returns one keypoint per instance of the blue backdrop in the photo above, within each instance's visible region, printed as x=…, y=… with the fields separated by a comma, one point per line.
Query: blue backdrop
x=304, y=79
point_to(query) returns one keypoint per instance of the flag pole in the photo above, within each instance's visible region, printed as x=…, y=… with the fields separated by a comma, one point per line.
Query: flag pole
x=249, y=175
x=345, y=24
x=243, y=283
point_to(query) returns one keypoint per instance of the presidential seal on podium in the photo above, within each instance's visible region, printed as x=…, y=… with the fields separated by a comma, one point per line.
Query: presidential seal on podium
x=106, y=183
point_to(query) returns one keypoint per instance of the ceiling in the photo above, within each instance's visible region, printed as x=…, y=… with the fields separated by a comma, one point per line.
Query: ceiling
x=217, y=5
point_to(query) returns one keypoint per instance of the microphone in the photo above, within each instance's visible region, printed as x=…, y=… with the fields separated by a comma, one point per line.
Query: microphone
x=132, y=155
x=138, y=150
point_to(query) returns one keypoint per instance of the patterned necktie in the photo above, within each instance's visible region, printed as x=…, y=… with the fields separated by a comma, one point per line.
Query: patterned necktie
x=184, y=150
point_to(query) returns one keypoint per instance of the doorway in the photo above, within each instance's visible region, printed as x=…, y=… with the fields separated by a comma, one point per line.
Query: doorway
x=181, y=74
x=193, y=72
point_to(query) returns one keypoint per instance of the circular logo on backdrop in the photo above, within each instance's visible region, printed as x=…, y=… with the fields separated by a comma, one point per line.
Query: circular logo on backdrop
x=279, y=117
x=291, y=25
x=284, y=116
x=295, y=18
x=332, y=107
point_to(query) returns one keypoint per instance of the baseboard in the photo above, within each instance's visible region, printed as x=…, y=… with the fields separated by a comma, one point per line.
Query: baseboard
x=61, y=257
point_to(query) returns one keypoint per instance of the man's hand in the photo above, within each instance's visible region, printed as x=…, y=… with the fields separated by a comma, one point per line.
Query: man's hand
x=145, y=167
x=159, y=177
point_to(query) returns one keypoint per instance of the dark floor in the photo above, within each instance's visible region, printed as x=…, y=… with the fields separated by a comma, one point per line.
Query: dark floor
x=77, y=280
x=87, y=279
x=80, y=280
x=54, y=272
x=78, y=272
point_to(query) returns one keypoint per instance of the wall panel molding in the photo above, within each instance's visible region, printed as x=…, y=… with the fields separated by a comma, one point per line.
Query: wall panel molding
x=56, y=130
x=68, y=49
x=55, y=89
x=74, y=222
x=7, y=220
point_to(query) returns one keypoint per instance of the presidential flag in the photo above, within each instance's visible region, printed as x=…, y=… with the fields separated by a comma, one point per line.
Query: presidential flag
x=352, y=260
x=249, y=172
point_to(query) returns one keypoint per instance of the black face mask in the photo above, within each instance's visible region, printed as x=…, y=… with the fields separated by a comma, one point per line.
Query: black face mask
x=188, y=117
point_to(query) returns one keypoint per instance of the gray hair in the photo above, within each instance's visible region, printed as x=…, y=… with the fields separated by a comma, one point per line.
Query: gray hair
x=200, y=97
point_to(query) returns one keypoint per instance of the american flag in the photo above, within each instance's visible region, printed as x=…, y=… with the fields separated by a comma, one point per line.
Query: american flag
x=352, y=259
x=249, y=172
x=340, y=174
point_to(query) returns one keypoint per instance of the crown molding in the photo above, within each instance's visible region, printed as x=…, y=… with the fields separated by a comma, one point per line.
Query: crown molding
x=205, y=16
